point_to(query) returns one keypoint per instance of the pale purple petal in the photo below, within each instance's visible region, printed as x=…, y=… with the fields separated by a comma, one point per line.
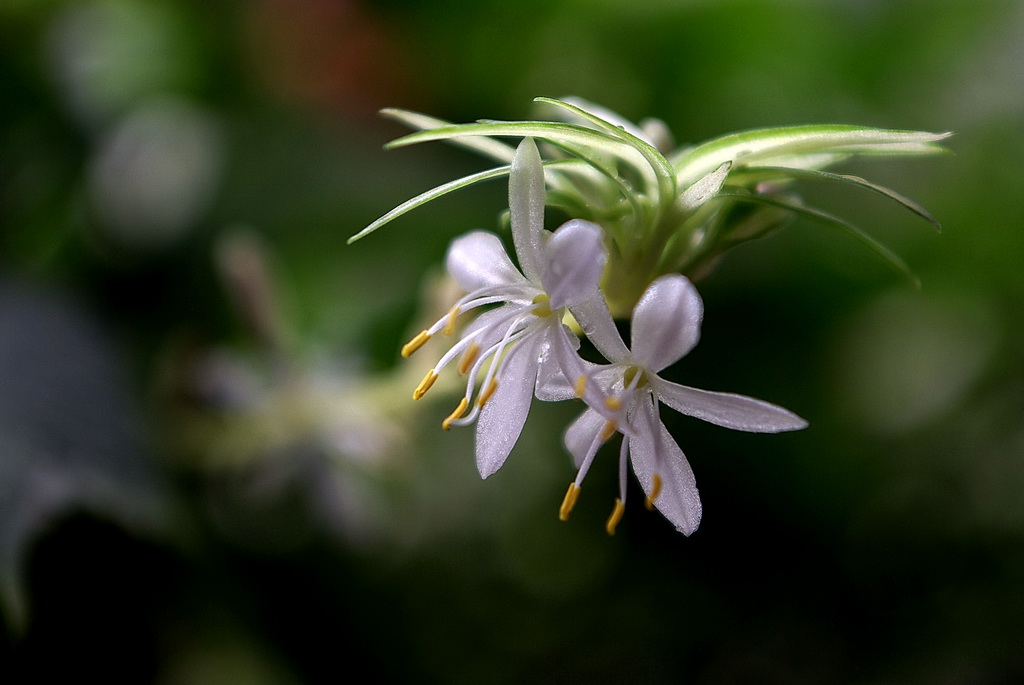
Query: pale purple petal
x=564, y=348
x=478, y=260
x=596, y=321
x=609, y=377
x=552, y=383
x=503, y=416
x=581, y=433
x=526, y=207
x=666, y=322
x=574, y=260
x=653, y=451
x=726, y=409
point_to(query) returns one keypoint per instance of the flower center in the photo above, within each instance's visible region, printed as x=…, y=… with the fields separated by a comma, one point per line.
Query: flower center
x=634, y=377
x=541, y=307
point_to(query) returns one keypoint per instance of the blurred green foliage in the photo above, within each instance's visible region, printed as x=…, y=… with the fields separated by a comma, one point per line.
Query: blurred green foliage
x=210, y=467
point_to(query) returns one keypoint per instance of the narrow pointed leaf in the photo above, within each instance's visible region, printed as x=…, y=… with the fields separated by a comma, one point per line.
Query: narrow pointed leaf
x=590, y=163
x=603, y=113
x=663, y=171
x=495, y=149
x=887, y=255
x=432, y=194
x=576, y=141
x=760, y=144
x=705, y=188
x=902, y=199
x=445, y=188
x=564, y=135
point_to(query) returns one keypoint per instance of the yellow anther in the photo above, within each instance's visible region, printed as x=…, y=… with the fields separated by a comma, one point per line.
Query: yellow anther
x=486, y=394
x=655, y=491
x=459, y=411
x=416, y=343
x=608, y=431
x=449, y=326
x=612, y=403
x=616, y=516
x=468, y=357
x=569, y=502
x=424, y=385
x=581, y=386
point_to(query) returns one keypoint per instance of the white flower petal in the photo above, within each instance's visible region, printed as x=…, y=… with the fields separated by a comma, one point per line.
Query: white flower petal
x=526, y=207
x=610, y=377
x=654, y=452
x=666, y=322
x=478, y=260
x=503, y=416
x=490, y=326
x=580, y=434
x=738, y=412
x=598, y=325
x=553, y=385
x=573, y=263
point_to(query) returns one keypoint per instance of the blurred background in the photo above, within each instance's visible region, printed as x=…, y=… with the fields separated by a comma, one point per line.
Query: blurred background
x=211, y=470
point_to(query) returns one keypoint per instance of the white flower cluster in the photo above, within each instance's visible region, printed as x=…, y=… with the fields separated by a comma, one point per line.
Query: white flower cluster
x=529, y=351
x=648, y=219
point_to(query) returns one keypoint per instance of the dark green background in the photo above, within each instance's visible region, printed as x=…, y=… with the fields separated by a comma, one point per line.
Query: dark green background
x=150, y=531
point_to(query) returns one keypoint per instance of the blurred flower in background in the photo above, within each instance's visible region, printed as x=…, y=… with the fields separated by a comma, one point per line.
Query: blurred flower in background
x=210, y=467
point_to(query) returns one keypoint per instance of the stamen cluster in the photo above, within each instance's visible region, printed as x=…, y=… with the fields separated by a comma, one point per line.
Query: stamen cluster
x=522, y=348
x=649, y=220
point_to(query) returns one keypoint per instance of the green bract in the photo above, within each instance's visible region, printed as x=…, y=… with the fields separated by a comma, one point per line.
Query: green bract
x=670, y=211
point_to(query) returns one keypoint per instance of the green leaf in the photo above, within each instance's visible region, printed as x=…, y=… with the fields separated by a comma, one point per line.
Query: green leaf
x=663, y=171
x=816, y=174
x=432, y=194
x=704, y=189
x=758, y=145
x=887, y=255
x=495, y=149
x=589, y=205
x=445, y=188
x=574, y=139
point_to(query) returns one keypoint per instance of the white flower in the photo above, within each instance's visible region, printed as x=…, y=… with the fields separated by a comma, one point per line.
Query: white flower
x=665, y=326
x=524, y=340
